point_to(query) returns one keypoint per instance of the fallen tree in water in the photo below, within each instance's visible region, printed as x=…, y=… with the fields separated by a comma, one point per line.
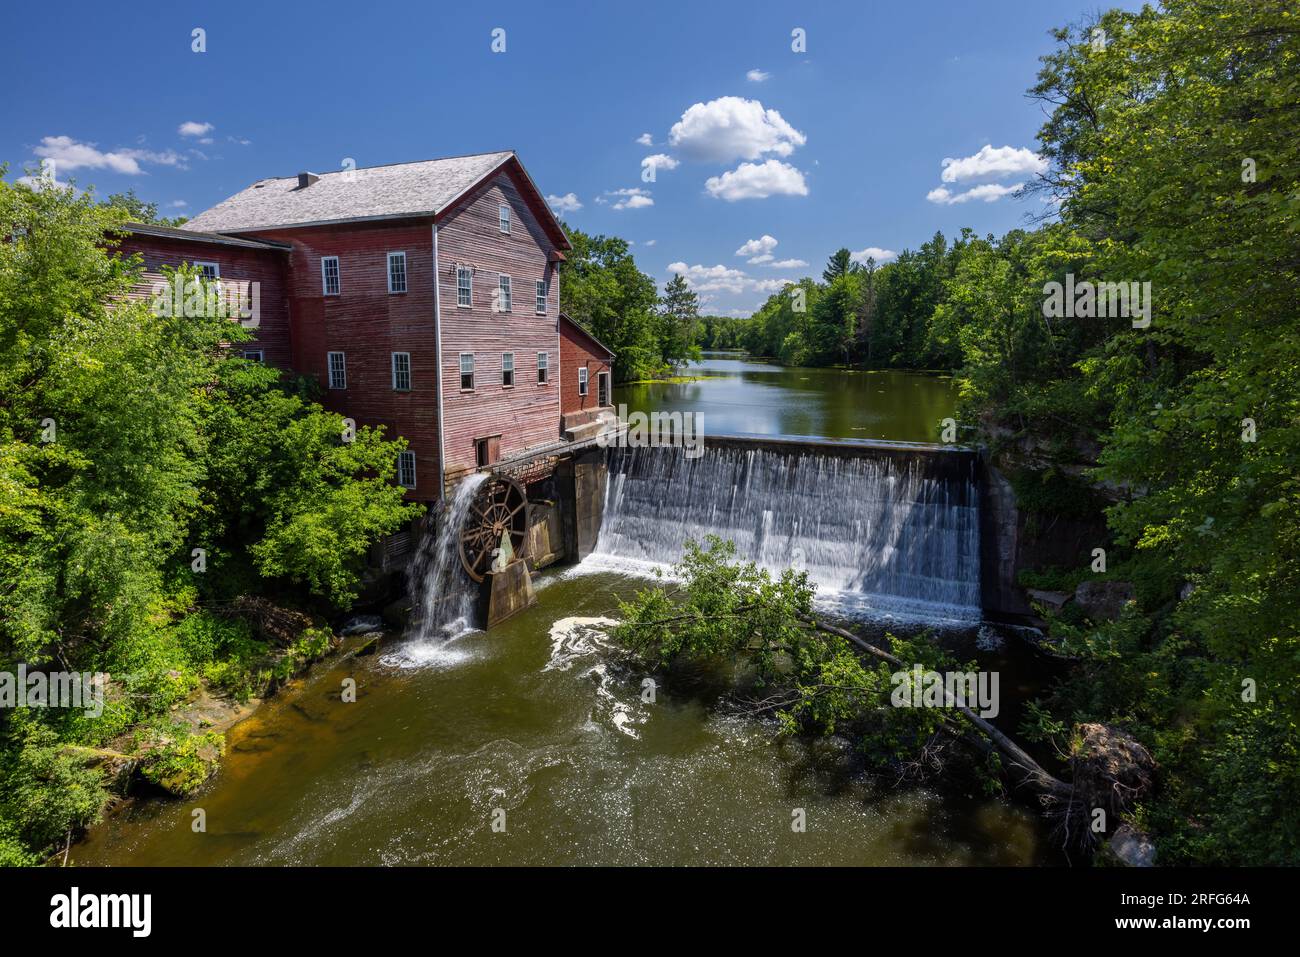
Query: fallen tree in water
x=818, y=677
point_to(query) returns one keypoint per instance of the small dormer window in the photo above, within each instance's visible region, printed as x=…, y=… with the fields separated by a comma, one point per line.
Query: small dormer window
x=503, y=217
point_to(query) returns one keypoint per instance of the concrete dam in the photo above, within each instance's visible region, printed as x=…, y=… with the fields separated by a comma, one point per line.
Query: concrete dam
x=883, y=529
x=880, y=528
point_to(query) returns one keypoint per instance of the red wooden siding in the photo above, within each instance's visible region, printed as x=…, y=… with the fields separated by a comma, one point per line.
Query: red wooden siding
x=265, y=266
x=527, y=415
x=367, y=324
x=577, y=349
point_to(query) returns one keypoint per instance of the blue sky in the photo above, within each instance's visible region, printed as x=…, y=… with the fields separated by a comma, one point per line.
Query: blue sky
x=840, y=145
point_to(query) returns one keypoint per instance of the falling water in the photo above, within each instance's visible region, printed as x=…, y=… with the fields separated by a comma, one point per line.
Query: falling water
x=879, y=534
x=444, y=594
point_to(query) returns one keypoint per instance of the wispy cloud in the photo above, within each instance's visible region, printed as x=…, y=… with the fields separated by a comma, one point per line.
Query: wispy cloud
x=988, y=192
x=68, y=154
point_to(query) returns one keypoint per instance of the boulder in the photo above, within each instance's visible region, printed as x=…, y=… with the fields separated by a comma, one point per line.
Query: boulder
x=1055, y=600
x=398, y=613
x=362, y=625
x=1133, y=848
x=368, y=646
x=1103, y=600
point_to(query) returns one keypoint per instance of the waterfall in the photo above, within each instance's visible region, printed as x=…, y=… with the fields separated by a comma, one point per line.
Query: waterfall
x=444, y=593
x=881, y=534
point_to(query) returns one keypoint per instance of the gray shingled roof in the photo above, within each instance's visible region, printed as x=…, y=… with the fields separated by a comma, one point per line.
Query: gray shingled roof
x=378, y=192
x=194, y=236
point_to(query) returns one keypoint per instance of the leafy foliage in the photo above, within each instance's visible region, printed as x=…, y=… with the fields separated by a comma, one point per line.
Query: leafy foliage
x=126, y=440
x=736, y=613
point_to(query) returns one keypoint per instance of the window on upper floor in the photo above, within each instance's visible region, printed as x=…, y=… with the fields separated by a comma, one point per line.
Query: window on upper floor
x=503, y=218
x=406, y=469
x=466, y=371
x=543, y=367
x=507, y=369
x=402, y=371
x=329, y=275
x=464, y=286
x=208, y=270
x=582, y=380
x=543, y=289
x=503, y=294
x=396, y=272
x=338, y=370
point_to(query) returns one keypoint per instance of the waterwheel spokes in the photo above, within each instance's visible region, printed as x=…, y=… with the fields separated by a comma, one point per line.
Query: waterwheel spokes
x=499, y=508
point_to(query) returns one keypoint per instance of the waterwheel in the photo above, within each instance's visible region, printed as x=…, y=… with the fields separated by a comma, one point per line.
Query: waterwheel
x=499, y=509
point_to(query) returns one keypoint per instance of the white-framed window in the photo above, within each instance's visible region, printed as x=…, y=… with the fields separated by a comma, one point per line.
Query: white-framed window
x=543, y=287
x=329, y=275
x=503, y=217
x=466, y=371
x=464, y=286
x=338, y=367
x=582, y=380
x=543, y=367
x=208, y=270
x=406, y=469
x=253, y=355
x=507, y=369
x=503, y=293
x=402, y=371
x=396, y=272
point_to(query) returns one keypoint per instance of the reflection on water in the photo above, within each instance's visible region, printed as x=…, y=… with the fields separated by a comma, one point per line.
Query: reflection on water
x=543, y=724
x=740, y=396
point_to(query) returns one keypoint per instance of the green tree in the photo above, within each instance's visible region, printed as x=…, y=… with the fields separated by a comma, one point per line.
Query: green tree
x=679, y=312
x=840, y=264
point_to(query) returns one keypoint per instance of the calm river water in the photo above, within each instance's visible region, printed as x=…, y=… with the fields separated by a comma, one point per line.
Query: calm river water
x=542, y=729
x=734, y=395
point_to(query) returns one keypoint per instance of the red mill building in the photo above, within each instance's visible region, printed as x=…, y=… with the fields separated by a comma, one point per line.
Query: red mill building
x=424, y=297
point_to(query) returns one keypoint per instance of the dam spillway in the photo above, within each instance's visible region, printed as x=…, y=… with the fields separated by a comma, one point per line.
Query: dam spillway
x=885, y=530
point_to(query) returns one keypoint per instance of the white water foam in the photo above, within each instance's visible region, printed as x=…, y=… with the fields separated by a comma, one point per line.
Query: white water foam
x=576, y=640
x=882, y=537
x=444, y=594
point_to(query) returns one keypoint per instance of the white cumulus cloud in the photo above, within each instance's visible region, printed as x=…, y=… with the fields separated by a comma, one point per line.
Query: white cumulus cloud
x=194, y=128
x=568, y=203
x=731, y=128
x=873, y=252
x=756, y=76
x=645, y=139
x=659, y=161
x=632, y=198
x=787, y=264
x=721, y=278
x=757, y=181
x=992, y=163
x=757, y=247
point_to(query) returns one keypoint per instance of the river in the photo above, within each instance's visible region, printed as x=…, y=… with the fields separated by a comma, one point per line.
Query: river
x=542, y=730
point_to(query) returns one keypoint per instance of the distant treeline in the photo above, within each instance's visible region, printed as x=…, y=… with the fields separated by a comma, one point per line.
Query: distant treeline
x=864, y=314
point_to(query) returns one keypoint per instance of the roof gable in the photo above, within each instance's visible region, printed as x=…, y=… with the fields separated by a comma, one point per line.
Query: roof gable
x=398, y=191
